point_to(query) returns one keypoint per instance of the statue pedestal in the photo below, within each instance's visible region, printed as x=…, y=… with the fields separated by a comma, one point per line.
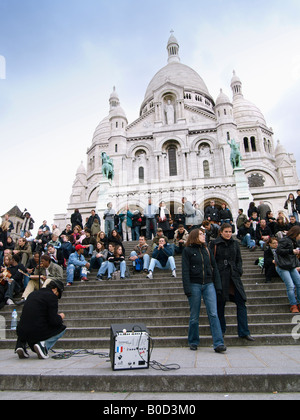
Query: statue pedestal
x=103, y=197
x=242, y=188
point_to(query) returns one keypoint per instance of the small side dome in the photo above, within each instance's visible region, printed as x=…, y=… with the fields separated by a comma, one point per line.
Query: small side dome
x=81, y=169
x=117, y=112
x=102, y=132
x=222, y=99
x=245, y=112
x=280, y=149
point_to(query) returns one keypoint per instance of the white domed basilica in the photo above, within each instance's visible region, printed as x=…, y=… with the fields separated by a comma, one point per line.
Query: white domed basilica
x=180, y=146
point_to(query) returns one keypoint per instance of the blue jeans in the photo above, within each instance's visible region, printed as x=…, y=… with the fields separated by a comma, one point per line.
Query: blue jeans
x=146, y=259
x=155, y=263
x=148, y=227
x=292, y=280
x=109, y=226
x=71, y=269
x=208, y=292
x=13, y=288
x=88, y=252
x=96, y=262
x=135, y=231
x=247, y=241
x=112, y=269
x=103, y=269
x=53, y=340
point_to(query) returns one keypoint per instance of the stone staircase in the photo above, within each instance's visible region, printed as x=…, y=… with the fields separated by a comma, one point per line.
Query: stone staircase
x=160, y=304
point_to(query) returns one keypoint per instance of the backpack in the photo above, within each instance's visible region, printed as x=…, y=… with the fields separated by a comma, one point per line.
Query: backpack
x=139, y=264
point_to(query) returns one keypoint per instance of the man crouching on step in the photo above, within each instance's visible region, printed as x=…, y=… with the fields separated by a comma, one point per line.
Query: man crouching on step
x=41, y=326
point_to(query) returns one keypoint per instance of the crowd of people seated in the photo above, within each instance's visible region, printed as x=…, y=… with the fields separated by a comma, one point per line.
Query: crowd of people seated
x=79, y=248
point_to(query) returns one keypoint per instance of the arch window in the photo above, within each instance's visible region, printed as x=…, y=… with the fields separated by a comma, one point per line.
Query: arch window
x=172, y=161
x=265, y=145
x=141, y=175
x=92, y=163
x=253, y=144
x=246, y=145
x=206, y=169
x=270, y=146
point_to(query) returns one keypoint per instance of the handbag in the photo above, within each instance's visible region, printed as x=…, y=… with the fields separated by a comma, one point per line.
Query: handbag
x=116, y=275
x=285, y=262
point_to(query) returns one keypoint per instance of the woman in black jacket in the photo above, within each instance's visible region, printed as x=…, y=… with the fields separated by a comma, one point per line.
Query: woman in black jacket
x=229, y=261
x=201, y=277
x=287, y=261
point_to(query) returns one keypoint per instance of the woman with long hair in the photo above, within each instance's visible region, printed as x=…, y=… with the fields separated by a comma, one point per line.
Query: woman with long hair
x=287, y=262
x=291, y=206
x=117, y=262
x=229, y=261
x=201, y=278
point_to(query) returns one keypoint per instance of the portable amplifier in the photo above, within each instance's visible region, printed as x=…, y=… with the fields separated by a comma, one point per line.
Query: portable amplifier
x=129, y=346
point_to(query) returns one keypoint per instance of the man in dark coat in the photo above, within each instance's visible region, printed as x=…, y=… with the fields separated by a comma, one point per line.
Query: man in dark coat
x=229, y=261
x=212, y=213
x=41, y=325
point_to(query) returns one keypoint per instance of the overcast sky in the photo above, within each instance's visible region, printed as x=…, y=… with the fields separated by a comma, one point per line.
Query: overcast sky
x=59, y=61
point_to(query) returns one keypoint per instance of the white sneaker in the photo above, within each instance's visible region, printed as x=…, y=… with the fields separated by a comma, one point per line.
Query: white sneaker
x=22, y=353
x=9, y=302
x=150, y=275
x=41, y=351
x=174, y=273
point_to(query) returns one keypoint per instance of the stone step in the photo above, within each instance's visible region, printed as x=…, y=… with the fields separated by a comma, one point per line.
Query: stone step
x=122, y=306
x=170, y=331
x=169, y=342
x=91, y=308
x=242, y=370
x=159, y=295
x=152, y=302
x=120, y=312
x=284, y=318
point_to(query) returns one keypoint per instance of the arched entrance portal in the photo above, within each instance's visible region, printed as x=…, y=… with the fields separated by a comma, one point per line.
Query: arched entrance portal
x=218, y=203
x=173, y=207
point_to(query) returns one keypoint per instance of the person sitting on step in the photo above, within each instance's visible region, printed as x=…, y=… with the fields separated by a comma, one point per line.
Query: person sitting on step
x=117, y=262
x=141, y=253
x=162, y=258
x=77, y=263
x=104, y=266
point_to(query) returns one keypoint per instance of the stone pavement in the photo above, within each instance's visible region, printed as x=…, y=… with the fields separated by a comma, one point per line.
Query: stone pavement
x=263, y=369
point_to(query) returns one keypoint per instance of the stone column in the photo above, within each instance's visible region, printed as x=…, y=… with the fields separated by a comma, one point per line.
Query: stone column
x=242, y=188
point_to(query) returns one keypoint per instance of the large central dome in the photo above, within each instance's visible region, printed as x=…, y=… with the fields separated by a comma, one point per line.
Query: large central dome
x=177, y=73
x=180, y=75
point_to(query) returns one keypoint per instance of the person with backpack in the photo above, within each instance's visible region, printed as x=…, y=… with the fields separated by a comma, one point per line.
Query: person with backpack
x=140, y=256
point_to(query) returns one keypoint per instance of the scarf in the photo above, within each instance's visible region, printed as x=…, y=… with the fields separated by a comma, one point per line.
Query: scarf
x=162, y=213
